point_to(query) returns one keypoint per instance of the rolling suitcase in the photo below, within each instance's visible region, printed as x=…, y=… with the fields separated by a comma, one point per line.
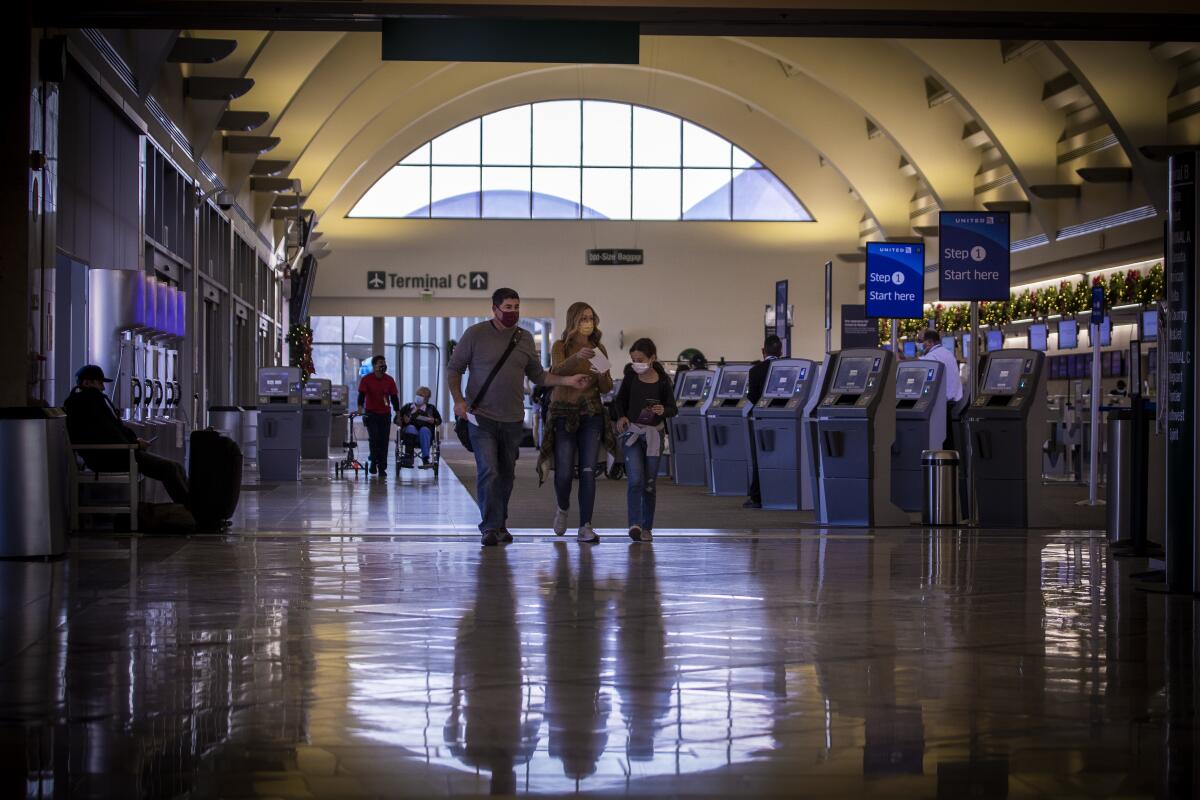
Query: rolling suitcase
x=215, y=478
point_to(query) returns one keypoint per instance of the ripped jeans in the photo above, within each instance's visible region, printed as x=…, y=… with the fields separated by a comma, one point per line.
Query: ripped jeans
x=641, y=473
x=581, y=447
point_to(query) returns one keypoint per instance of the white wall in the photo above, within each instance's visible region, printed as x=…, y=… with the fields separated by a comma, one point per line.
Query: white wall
x=703, y=284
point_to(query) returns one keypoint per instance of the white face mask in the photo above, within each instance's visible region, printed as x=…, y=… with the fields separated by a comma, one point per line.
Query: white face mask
x=419, y=401
x=640, y=367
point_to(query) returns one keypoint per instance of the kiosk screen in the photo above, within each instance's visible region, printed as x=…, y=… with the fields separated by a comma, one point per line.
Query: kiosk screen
x=733, y=384
x=337, y=394
x=274, y=382
x=1037, y=337
x=783, y=381
x=852, y=375
x=693, y=387
x=910, y=381
x=1002, y=376
x=312, y=391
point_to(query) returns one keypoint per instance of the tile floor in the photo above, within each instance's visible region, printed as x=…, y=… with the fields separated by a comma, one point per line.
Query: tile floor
x=353, y=640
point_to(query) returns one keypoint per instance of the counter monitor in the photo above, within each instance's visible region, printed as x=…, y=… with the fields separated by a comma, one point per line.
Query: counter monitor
x=1037, y=336
x=1068, y=334
x=995, y=341
x=1149, y=326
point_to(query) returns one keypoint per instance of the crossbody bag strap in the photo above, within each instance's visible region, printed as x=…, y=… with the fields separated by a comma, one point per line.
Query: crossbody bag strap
x=512, y=345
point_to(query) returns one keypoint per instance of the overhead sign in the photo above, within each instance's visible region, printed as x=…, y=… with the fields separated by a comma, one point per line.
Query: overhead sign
x=379, y=280
x=857, y=330
x=615, y=258
x=974, y=258
x=1097, y=305
x=895, y=280
x=781, y=316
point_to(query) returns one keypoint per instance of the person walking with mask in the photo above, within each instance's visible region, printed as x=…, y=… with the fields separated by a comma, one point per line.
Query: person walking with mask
x=497, y=355
x=418, y=420
x=375, y=391
x=577, y=422
x=643, y=404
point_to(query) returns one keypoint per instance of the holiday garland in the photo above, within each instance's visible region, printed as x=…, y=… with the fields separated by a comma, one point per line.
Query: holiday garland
x=1068, y=297
x=300, y=339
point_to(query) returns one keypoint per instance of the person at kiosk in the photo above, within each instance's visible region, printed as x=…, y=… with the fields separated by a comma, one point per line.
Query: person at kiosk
x=91, y=419
x=930, y=342
x=375, y=391
x=772, y=349
x=418, y=421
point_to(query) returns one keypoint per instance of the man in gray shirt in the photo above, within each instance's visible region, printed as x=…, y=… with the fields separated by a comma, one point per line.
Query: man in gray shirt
x=495, y=424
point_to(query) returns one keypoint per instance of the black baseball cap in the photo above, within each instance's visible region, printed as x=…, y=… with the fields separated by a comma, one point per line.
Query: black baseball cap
x=90, y=372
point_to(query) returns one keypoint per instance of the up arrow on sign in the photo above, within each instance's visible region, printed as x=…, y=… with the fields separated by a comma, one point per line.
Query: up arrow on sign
x=479, y=280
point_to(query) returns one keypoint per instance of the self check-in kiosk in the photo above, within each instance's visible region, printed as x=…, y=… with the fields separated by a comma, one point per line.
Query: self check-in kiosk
x=279, y=422
x=920, y=425
x=727, y=415
x=688, y=427
x=856, y=425
x=316, y=418
x=1006, y=427
x=780, y=443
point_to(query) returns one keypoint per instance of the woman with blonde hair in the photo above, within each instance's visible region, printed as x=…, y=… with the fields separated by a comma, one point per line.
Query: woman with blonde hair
x=577, y=421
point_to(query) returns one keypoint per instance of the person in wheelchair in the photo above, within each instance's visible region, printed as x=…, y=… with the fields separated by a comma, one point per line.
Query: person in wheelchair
x=418, y=421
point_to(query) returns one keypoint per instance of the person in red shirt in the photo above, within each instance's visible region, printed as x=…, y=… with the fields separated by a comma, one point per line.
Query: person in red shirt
x=375, y=391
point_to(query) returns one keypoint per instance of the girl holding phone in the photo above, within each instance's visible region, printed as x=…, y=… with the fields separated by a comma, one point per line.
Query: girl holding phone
x=644, y=403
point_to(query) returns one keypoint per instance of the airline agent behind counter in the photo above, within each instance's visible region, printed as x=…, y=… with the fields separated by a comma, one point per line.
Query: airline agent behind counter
x=930, y=342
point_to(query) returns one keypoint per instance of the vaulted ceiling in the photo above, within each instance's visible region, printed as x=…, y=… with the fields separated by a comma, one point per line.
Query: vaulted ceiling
x=874, y=135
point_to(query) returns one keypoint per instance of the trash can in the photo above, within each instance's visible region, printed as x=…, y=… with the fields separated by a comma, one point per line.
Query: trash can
x=1118, y=469
x=33, y=482
x=939, y=468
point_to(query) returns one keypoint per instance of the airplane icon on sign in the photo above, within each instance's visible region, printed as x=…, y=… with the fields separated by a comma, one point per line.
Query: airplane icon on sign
x=376, y=280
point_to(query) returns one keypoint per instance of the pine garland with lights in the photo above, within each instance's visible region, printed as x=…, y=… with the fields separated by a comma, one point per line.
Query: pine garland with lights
x=300, y=342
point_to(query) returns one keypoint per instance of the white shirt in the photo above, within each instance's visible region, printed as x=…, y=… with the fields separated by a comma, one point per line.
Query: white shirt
x=953, y=390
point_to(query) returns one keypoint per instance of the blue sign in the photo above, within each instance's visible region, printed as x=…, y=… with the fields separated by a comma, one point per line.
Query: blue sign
x=895, y=280
x=973, y=262
x=1097, y=305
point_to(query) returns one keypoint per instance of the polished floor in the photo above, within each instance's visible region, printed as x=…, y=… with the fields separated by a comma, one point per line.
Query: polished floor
x=353, y=640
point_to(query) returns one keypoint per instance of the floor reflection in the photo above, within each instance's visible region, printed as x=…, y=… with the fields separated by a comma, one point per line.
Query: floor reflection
x=941, y=664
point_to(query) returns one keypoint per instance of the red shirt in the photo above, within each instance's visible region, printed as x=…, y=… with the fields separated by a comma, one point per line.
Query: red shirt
x=377, y=391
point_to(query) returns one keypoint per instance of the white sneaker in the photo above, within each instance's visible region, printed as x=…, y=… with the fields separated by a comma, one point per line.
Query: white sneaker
x=560, y=522
x=647, y=535
x=586, y=534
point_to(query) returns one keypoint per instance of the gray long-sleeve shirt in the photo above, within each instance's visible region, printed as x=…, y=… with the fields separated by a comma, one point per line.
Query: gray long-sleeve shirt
x=478, y=351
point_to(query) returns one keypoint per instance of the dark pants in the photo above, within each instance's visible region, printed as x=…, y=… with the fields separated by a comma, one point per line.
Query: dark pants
x=755, y=490
x=171, y=473
x=641, y=474
x=379, y=434
x=496, y=446
x=949, y=443
x=581, y=447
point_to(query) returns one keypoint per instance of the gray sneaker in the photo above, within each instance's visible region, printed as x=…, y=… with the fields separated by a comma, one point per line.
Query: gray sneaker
x=647, y=535
x=560, y=522
x=586, y=534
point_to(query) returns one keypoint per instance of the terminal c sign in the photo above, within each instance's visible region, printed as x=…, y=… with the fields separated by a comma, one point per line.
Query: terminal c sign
x=378, y=280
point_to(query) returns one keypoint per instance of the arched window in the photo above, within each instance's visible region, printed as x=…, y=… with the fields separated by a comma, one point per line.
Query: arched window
x=580, y=159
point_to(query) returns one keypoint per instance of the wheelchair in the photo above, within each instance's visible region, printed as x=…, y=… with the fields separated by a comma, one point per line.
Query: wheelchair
x=408, y=451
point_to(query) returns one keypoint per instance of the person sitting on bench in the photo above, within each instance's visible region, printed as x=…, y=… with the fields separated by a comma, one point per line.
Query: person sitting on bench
x=419, y=419
x=92, y=419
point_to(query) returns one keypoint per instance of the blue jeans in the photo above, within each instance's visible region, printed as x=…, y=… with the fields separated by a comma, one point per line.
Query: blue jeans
x=496, y=445
x=641, y=474
x=425, y=435
x=581, y=447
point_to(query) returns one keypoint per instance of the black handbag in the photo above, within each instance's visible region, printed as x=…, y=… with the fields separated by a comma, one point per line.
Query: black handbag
x=461, y=427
